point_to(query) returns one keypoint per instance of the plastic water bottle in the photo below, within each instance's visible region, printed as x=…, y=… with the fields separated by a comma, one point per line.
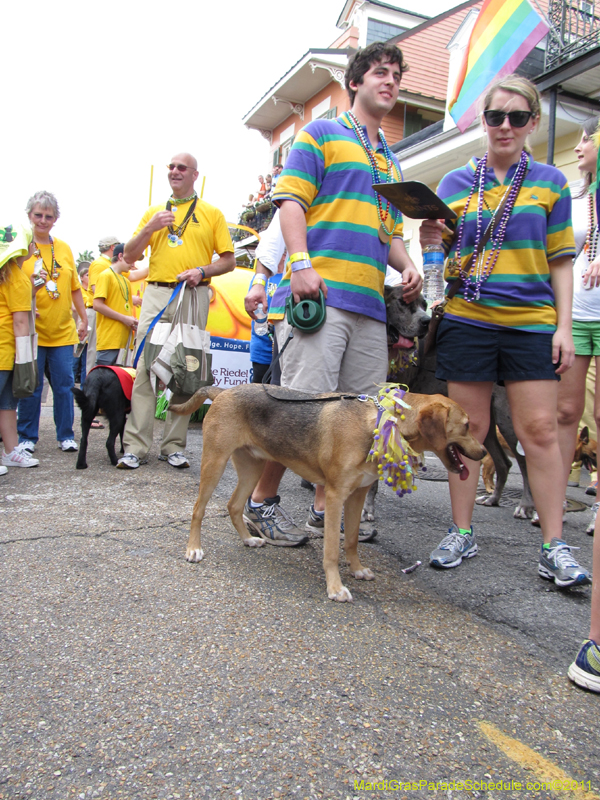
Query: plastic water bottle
x=433, y=273
x=261, y=326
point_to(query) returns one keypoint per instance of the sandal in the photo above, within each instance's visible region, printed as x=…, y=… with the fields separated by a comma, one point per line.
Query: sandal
x=97, y=424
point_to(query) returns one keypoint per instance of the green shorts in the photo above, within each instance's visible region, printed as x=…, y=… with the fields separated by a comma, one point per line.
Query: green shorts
x=586, y=336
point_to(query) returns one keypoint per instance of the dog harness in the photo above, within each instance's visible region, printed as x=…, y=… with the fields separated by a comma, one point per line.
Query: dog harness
x=126, y=376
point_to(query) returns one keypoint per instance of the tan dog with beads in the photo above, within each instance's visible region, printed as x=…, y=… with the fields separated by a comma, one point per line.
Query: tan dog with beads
x=325, y=439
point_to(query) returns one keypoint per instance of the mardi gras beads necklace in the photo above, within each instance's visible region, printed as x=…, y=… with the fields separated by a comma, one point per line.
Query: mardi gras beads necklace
x=384, y=234
x=124, y=289
x=591, y=239
x=397, y=463
x=51, y=286
x=482, y=267
x=174, y=237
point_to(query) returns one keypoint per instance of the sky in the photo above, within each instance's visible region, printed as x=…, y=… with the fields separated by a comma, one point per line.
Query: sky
x=100, y=92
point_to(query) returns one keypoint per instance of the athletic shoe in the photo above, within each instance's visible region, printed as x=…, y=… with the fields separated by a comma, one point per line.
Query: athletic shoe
x=273, y=524
x=129, y=461
x=26, y=444
x=19, y=458
x=177, y=460
x=590, y=528
x=453, y=548
x=68, y=446
x=592, y=488
x=3, y=470
x=558, y=565
x=575, y=474
x=585, y=670
x=315, y=524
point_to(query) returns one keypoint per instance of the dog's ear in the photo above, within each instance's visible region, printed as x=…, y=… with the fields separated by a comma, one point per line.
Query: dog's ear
x=432, y=424
x=584, y=435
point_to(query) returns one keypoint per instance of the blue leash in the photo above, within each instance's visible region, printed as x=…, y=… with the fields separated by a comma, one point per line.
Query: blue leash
x=140, y=349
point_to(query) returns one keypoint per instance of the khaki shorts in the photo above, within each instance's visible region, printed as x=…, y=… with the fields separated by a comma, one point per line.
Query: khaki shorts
x=348, y=354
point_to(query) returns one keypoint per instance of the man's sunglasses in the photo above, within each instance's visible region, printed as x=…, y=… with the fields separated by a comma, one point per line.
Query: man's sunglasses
x=178, y=167
x=517, y=119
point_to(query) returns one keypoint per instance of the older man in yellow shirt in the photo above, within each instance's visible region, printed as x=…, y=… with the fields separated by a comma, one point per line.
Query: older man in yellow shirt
x=183, y=236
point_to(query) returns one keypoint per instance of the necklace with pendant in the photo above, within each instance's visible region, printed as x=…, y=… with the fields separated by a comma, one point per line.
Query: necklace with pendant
x=123, y=288
x=51, y=286
x=175, y=235
x=384, y=235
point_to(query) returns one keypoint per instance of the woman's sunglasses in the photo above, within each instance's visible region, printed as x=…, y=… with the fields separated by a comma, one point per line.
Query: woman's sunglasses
x=517, y=119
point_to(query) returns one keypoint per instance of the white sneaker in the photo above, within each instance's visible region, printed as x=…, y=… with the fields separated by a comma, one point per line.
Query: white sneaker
x=19, y=458
x=177, y=460
x=68, y=446
x=27, y=444
x=3, y=470
x=129, y=461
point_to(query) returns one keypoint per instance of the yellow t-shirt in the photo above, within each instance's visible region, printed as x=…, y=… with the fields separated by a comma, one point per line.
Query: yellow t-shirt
x=55, y=325
x=96, y=267
x=15, y=295
x=115, y=290
x=88, y=297
x=137, y=290
x=206, y=234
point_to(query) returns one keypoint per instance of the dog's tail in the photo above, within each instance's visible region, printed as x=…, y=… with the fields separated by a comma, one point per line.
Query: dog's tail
x=194, y=403
x=86, y=402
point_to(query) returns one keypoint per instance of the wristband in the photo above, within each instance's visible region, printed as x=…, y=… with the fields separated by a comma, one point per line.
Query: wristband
x=299, y=257
x=201, y=269
x=259, y=278
x=298, y=265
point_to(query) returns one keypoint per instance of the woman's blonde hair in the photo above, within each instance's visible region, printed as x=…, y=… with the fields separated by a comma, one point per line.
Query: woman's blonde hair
x=517, y=85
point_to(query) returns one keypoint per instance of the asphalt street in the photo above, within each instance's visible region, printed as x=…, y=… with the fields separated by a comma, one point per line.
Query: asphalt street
x=126, y=672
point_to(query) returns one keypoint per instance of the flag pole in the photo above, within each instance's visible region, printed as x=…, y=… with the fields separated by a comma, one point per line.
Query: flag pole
x=202, y=190
x=151, y=177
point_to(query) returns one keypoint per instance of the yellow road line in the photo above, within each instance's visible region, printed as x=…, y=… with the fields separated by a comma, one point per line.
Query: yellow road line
x=543, y=770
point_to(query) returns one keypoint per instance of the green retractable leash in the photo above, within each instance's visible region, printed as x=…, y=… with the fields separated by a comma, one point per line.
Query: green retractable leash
x=308, y=316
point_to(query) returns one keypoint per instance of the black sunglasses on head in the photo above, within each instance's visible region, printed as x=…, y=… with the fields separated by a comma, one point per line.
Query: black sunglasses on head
x=517, y=119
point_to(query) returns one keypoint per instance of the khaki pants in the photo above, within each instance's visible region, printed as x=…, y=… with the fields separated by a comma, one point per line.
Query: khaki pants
x=139, y=429
x=348, y=354
x=90, y=361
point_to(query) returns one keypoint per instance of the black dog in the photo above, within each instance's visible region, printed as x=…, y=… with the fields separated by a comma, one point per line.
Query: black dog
x=102, y=389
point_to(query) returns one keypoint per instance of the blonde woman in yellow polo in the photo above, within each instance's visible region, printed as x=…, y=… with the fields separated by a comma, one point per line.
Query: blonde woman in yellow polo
x=55, y=325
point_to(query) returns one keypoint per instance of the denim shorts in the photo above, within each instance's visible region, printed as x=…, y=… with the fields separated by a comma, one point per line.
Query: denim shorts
x=7, y=399
x=586, y=336
x=471, y=353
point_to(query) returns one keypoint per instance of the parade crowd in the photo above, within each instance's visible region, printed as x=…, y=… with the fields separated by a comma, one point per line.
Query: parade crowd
x=522, y=274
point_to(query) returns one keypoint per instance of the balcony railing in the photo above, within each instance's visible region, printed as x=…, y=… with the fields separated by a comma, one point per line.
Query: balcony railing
x=575, y=30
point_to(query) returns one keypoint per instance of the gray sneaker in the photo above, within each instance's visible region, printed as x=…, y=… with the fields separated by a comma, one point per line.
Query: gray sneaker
x=558, y=565
x=315, y=524
x=453, y=548
x=273, y=524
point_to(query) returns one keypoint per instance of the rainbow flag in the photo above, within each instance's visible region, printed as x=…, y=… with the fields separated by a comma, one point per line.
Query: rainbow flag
x=505, y=32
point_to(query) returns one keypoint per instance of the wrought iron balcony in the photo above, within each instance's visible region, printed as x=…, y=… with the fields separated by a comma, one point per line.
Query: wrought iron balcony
x=575, y=31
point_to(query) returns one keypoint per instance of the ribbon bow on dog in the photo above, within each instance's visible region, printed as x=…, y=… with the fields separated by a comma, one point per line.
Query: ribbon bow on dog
x=397, y=462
